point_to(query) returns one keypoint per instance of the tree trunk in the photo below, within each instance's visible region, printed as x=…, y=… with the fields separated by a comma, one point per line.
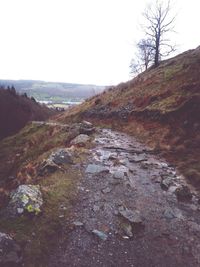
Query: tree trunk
x=157, y=50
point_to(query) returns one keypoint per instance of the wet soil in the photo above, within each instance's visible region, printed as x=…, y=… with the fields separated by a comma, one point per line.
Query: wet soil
x=127, y=212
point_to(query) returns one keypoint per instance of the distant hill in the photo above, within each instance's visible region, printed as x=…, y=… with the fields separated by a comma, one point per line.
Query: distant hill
x=161, y=107
x=53, y=91
x=16, y=110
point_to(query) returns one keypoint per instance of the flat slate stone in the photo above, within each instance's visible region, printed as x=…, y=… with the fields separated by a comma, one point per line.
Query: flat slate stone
x=118, y=175
x=94, y=168
x=106, y=190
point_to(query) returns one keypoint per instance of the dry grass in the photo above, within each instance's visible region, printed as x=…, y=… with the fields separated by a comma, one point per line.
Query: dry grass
x=163, y=105
x=21, y=156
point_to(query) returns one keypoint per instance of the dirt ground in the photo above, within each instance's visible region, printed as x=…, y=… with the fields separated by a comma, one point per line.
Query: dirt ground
x=133, y=209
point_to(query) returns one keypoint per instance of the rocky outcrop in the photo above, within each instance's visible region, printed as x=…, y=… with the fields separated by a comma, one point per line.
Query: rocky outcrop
x=10, y=252
x=25, y=199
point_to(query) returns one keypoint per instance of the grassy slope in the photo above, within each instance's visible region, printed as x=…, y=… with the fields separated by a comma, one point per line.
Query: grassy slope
x=160, y=107
x=19, y=159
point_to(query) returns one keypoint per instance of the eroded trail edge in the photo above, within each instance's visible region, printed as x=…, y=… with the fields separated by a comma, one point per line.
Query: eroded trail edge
x=133, y=209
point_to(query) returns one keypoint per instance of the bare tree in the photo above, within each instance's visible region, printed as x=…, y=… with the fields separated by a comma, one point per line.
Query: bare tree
x=143, y=57
x=145, y=52
x=159, y=22
x=135, y=67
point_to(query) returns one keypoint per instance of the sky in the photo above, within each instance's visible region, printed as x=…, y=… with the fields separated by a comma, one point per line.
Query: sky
x=81, y=41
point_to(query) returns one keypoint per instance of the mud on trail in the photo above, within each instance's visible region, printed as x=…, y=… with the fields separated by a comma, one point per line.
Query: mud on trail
x=133, y=209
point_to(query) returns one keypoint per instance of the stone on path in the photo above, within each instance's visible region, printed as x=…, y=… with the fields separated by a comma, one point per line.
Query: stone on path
x=100, y=234
x=127, y=228
x=95, y=169
x=118, y=174
x=170, y=214
x=106, y=190
x=77, y=223
x=133, y=217
x=166, y=183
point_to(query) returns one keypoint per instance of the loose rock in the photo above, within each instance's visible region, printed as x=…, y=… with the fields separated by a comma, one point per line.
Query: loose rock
x=130, y=215
x=127, y=229
x=94, y=168
x=106, y=190
x=137, y=158
x=172, y=214
x=77, y=223
x=166, y=183
x=118, y=175
x=100, y=234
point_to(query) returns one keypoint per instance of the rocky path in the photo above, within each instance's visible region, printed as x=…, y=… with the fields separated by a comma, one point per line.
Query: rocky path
x=133, y=209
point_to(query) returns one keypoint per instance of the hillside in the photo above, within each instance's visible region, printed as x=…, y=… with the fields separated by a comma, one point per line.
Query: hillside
x=160, y=107
x=16, y=110
x=54, y=91
x=68, y=188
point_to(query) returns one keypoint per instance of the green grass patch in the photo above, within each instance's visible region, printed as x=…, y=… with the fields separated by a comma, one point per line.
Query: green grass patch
x=171, y=71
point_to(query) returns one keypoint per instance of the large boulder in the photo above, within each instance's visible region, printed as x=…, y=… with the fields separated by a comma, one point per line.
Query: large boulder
x=61, y=156
x=25, y=199
x=80, y=140
x=10, y=252
x=56, y=159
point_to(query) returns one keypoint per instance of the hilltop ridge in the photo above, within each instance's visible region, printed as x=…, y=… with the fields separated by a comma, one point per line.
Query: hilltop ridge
x=54, y=91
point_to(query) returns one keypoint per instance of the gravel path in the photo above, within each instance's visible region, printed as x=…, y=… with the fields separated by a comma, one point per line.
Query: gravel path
x=133, y=209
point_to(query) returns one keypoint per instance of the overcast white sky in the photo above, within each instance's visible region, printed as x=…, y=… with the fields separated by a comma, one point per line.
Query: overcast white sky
x=82, y=41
